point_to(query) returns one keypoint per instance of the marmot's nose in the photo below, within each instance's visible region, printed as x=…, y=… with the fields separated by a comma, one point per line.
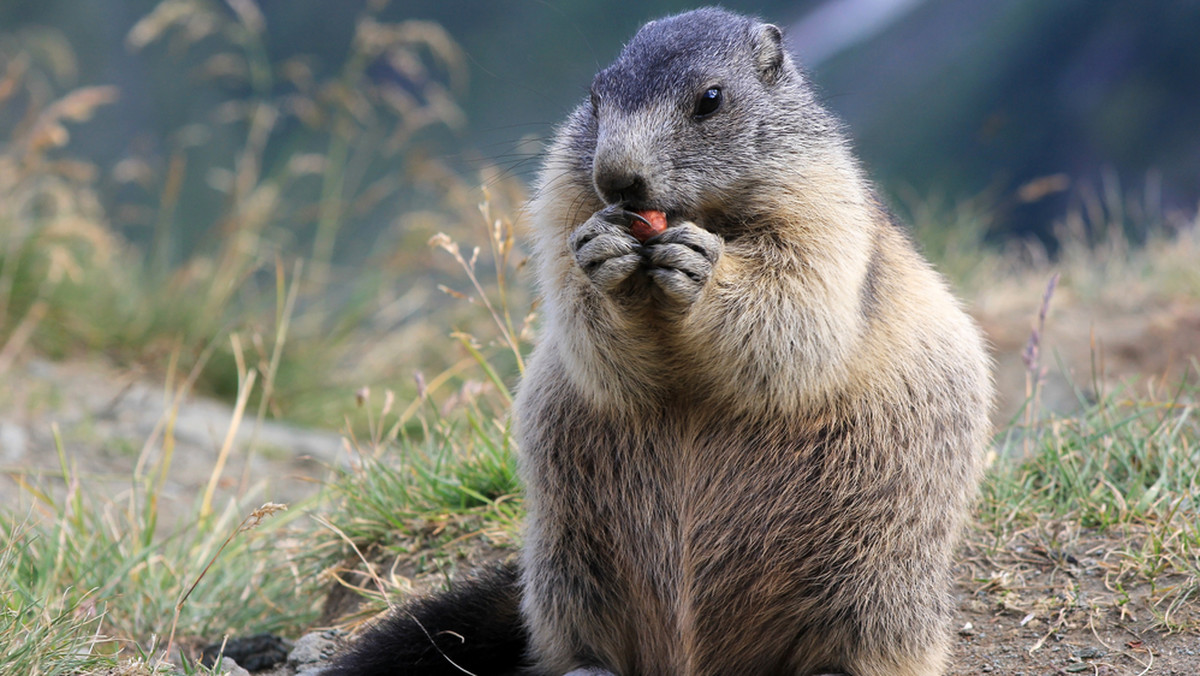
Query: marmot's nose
x=618, y=186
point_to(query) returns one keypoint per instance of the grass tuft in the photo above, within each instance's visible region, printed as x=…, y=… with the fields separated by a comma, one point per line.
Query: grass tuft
x=1119, y=461
x=45, y=628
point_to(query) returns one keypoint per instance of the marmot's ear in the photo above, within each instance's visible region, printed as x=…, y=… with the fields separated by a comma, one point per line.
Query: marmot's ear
x=768, y=52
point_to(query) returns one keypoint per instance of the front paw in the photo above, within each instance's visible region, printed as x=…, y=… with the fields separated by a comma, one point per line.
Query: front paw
x=605, y=250
x=681, y=262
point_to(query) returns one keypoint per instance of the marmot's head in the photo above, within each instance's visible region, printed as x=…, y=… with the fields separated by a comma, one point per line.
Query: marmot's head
x=699, y=112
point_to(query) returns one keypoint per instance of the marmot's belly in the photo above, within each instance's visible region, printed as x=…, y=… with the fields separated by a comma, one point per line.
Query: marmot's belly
x=742, y=545
x=740, y=587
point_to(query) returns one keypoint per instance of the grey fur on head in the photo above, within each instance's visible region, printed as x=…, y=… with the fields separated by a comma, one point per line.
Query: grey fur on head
x=639, y=137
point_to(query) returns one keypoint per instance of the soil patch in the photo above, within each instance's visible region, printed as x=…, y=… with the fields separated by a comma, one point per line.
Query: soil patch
x=1032, y=607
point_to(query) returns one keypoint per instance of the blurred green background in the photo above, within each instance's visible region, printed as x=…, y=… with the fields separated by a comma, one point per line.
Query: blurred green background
x=944, y=97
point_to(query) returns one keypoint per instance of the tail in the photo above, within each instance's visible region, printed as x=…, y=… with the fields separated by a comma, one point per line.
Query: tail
x=475, y=628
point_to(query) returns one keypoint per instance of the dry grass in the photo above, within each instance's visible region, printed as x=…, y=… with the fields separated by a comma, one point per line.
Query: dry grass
x=270, y=319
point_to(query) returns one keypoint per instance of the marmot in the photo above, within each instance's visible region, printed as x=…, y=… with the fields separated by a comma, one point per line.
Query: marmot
x=749, y=442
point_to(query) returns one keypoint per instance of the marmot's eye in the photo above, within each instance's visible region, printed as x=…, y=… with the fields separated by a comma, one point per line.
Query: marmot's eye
x=708, y=103
x=595, y=98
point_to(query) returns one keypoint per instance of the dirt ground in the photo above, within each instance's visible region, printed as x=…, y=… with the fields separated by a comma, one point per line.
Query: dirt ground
x=1025, y=608
x=1029, y=607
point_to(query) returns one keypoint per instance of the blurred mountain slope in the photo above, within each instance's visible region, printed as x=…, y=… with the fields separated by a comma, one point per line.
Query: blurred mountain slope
x=964, y=95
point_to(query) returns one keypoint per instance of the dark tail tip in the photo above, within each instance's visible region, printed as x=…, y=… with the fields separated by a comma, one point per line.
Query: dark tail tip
x=475, y=627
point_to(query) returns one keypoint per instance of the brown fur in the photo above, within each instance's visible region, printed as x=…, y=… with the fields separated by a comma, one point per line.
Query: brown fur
x=766, y=475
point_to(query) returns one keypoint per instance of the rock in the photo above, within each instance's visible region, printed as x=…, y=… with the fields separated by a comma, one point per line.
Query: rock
x=315, y=650
x=13, y=442
x=231, y=668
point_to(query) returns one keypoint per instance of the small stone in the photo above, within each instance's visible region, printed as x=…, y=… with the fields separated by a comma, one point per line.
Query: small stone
x=230, y=668
x=1088, y=653
x=13, y=442
x=314, y=648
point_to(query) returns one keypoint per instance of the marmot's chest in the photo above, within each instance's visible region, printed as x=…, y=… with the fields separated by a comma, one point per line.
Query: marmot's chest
x=680, y=486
